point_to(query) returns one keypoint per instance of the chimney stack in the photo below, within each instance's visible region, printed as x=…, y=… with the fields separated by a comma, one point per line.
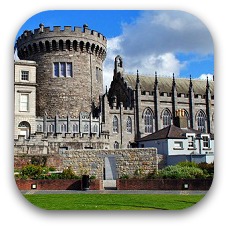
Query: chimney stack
x=180, y=120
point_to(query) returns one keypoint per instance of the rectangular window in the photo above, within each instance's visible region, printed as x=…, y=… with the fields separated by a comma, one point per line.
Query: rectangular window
x=178, y=145
x=69, y=70
x=62, y=69
x=24, y=98
x=206, y=142
x=191, y=141
x=56, y=69
x=24, y=75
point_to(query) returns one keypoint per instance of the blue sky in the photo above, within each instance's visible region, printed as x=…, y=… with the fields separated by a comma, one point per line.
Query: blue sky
x=164, y=41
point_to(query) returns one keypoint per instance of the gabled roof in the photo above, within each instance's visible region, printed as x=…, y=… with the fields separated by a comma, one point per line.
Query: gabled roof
x=165, y=84
x=171, y=132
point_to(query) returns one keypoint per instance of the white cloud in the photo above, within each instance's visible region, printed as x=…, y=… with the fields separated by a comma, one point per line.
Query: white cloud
x=205, y=76
x=151, y=43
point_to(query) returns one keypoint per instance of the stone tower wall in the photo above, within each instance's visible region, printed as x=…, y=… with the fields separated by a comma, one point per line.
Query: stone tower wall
x=85, y=49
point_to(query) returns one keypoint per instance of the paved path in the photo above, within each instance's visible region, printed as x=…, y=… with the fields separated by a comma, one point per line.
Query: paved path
x=174, y=192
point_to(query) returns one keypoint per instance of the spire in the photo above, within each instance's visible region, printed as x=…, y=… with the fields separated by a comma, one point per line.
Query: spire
x=208, y=85
x=156, y=78
x=137, y=78
x=174, y=83
x=190, y=83
x=106, y=90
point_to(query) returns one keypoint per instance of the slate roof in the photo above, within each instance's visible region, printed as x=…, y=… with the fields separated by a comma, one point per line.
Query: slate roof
x=165, y=84
x=171, y=132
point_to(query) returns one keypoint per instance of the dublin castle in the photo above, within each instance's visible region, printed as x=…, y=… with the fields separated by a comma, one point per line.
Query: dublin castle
x=59, y=94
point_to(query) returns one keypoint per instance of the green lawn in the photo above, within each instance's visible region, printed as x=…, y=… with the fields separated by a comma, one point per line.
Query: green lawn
x=113, y=201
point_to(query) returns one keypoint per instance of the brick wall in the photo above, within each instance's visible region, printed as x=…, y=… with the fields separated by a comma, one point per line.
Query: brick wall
x=57, y=184
x=163, y=184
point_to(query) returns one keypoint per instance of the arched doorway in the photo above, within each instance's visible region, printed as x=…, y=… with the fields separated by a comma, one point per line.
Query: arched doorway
x=24, y=129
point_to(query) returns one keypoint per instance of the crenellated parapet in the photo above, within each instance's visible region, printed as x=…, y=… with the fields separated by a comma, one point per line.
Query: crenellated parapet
x=78, y=39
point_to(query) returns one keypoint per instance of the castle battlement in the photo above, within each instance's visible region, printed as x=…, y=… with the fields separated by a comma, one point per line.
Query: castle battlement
x=45, y=39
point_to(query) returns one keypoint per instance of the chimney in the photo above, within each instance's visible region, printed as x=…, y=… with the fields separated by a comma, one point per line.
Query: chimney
x=180, y=120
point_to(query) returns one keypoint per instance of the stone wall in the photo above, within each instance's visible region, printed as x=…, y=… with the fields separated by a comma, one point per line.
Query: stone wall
x=91, y=162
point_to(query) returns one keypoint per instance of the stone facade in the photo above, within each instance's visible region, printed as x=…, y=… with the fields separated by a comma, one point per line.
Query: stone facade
x=25, y=98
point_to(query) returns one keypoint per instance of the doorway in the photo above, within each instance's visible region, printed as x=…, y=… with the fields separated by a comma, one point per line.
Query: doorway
x=110, y=174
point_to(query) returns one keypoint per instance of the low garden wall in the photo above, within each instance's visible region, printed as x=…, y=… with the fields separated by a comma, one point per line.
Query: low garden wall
x=163, y=184
x=57, y=184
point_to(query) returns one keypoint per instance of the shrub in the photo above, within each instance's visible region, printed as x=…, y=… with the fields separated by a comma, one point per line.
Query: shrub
x=179, y=172
x=124, y=176
x=68, y=173
x=32, y=172
x=207, y=168
x=187, y=164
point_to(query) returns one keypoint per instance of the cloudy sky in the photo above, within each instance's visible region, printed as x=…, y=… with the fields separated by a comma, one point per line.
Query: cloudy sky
x=164, y=41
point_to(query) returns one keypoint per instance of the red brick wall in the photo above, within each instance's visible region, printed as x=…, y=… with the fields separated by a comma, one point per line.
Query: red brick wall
x=163, y=184
x=57, y=184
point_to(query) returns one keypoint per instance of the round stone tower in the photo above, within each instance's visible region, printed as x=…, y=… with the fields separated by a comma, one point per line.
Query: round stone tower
x=70, y=68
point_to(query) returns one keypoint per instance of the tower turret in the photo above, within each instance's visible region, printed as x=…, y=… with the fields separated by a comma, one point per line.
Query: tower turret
x=70, y=63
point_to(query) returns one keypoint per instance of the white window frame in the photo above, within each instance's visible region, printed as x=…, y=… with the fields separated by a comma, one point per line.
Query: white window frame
x=191, y=142
x=178, y=147
x=208, y=141
x=24, y=105
x=22, y=75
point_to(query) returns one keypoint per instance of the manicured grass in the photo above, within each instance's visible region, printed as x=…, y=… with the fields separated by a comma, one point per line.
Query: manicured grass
x=113, y=201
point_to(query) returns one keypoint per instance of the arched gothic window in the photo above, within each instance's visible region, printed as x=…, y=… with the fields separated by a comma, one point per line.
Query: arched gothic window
x=115, y=124
x=63, y=128
x=148, y=121
x=129, y=124
x=75, y=128
x=201, y=121
x=187, y=117
x=166, y=118
x=95, y=128
x=51, y=128
x=116, y=145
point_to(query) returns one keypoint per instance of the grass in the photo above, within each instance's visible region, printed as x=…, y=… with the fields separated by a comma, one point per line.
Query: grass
x=113, y=201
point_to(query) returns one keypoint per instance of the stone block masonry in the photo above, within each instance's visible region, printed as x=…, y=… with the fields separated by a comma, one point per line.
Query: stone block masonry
x=92, y=162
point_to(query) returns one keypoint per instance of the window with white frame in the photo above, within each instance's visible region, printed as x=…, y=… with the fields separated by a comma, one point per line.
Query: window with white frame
x=178, y=145
x=24, y=102
x=62, y=69
x=206, y=141
x=24, y=75
x=191, y=141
